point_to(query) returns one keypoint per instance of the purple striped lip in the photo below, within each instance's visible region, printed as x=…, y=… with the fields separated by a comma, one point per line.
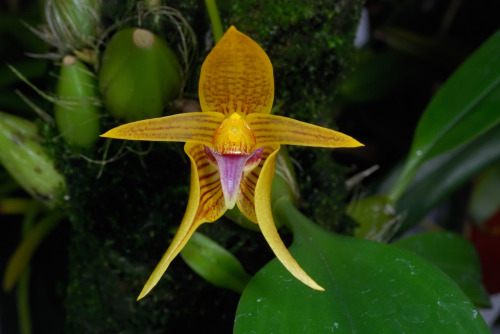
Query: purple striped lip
x=231, y=168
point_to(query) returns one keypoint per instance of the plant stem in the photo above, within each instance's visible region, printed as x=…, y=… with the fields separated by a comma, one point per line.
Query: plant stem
x=14, y=206
x=23, y=292
x=403, y=181
x=286, y=213
x=213, y=13
x=21, y=257
x=23, y=307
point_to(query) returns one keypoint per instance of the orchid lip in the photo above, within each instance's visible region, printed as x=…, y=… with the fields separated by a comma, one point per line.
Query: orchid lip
x=231, y=168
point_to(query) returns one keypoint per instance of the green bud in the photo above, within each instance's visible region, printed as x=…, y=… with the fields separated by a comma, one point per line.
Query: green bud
x=139, y=75
x=72, y=24
x=77, y=112
x=26, y=160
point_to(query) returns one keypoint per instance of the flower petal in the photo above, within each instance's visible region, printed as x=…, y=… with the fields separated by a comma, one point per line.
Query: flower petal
x=266, y=223
x=273, y=129
x=206, y=204
x=246, y=195
x=231, y=168
x=237, y=76
x=196, y=127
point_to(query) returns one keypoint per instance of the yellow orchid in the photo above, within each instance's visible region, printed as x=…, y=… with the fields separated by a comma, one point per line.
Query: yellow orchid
x=232, y=144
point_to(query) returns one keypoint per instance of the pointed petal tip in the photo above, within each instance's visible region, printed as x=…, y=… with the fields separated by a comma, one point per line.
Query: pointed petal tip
x=317, y=287
x=350, y=142
x=302, y=276
x=112, y=133
x=145, y=290
x=105, y=135
x=151, y=282
x=357, y=144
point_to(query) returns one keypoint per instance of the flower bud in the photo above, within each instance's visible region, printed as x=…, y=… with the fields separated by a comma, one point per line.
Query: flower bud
x=26, y=160
x=139, y=74
x=77, y=113
x=72, y=24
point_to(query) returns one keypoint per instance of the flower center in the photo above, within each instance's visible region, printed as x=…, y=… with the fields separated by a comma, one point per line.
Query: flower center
x=233, y=155
x=234, y=136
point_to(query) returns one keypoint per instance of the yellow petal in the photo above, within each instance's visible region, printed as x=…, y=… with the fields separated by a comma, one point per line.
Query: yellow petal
x=196, y=127
x=246, y=195
x=206, y=204
x=237, y=76
x=273, y=129
x=266, y=223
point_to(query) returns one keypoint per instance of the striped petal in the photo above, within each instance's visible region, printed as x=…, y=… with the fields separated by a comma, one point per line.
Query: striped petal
x=237, y=76
x=196, y=127
x=206, y=204
x=273, y=129
x=246, y=195
x=267, y=227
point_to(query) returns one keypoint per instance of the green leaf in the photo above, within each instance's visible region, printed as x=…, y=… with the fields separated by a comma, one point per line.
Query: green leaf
x=214, y=263
x=455, y=256
x=370, y=288
x=465, y=107
x=24, y=252
x=441, y=176
x=32, y=69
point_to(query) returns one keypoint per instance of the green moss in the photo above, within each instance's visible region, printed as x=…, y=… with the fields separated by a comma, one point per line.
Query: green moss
x=322, y=189
x=309, y=43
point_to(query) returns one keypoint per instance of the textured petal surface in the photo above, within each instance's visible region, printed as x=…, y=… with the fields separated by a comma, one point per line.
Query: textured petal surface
x=206, y=204
x=237, y=76
x=246, y=195
x=196, y=127
x=266, y=223
x=273, y=129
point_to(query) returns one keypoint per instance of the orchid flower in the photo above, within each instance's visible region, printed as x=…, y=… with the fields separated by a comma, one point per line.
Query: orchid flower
x=232, y=145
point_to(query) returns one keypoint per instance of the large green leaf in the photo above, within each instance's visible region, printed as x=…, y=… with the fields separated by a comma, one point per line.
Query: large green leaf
x=441, y=176
x=455, y=256
x=370, y=288
x=465, y=107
